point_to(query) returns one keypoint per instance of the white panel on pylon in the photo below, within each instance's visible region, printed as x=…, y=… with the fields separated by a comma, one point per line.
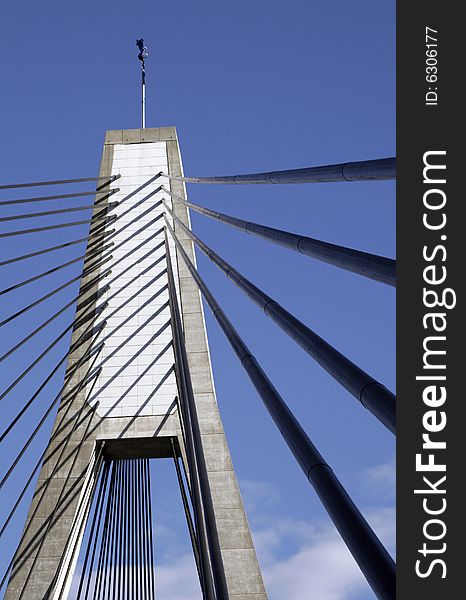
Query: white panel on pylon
x=137, y=361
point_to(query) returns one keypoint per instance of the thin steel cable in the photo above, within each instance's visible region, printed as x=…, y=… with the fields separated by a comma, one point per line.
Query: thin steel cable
x=53, y=248
x=187, y=395
x=57, y=505
x=373, y=395
x=110, y=567
x=95, y=463
x=109, y=411
x=89, y=375
x=137, y=567
x=130, y=195
x=139, y=275
x=63, y=445
x=99, y=233
x=122, y=533
x=59, y=197
x=88, y=332
x=52, y=318
x=48, y=213
x=115, y=544
x=138, y=531
x=187, y=512
x=135, y=192
x=57, y=182
x=183, y=433
x=193, y=455
x=95, y=520
x=108, y=563
x=140, y=230
x=104, y=567
x=139, y=329
x=41, y=458
x=82, y=509
x=20, y=284
x=99, y=251
x=120, y=536
x=127, y=517
x=139, y=202
x=133, y=528
x=144, y=549
x=103, y=543
x=140, y=260
x=67, y=399
x=67, y=402
x=35, y=395
x=378, y=169
x=84, y=318
x=35, y=431
x=372, y=266
x=141, y=187
x=102, y=529
x=73, y=322
x=107, y=181
x=148, y=320
x=371, y=556
x=135, y=295
x=140, y=538
x=56, y=291
x=140, y=570
x=150, y=528
x=130, y=252
x=98, y=228
x=57, y=226
x=126, y=526
x=205, y=577
x=116, y=527
x=115, y=217
x=146, y=345
x=143, y=373
x=148, y=566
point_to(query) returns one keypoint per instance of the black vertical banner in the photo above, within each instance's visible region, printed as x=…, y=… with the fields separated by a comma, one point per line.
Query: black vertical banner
x=431, y=243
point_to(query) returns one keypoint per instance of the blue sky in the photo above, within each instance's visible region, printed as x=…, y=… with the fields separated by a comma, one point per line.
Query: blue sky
x=250, y=86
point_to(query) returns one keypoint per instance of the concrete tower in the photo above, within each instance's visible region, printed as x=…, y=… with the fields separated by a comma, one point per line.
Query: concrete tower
x=132, y=410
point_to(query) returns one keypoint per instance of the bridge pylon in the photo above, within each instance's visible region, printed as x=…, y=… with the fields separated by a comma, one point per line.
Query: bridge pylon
x=139, y=386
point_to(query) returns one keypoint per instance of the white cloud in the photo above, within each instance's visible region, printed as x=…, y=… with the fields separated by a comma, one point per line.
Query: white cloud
x=258, y=495
x=321, y=566
x=300, y=559
x=322, y=570
x=380, y=481
x=177, y=581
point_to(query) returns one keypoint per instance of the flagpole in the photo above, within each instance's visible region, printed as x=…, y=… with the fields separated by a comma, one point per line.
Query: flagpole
x=143, y=97
x=143, y=54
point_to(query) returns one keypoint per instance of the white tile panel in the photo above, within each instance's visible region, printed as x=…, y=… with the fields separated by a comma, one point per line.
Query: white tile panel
x=132, y=382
